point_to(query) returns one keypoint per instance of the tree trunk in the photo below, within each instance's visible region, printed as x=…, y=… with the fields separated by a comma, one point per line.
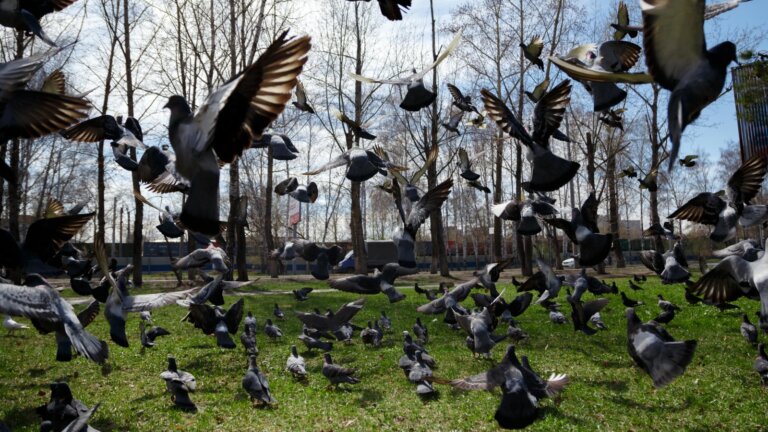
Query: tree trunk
x=613, y=208
x=138, y=219
x=436, y=217
x=269, y=240
x=14, y=193
x=356, y=217
x=655, y=156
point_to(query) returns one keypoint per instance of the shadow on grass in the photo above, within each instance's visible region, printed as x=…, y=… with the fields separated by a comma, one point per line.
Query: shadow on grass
x=149, y=396
x=38, y=372
x=612, y=385
x=554, y=412
x=107, y=425
x=20, y=418
x=629, y=403
x=368, y=397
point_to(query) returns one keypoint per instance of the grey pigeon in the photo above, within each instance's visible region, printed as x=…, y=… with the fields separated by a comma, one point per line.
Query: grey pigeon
x=522, y=388
x=677, y=57
x=324, y=323
x=735, y=277
x=302, y=294
x=666, y=305
x=748, y=330
x=371, y=336
x=250, y=321
x=272, y=331
x=61, y=409
x=460, y=101
x=226, y=123
x=256, y=384
x=337, y=374
x=361, y=165
x=420, y=331
x=301, y=99
x=281, y=146
x=312, y=343
x=557, y=317
x=597, y=320
x=381, y=282
x=215, y=320
x=761, y=364
x=248, y=339
x=421, y=375
x=179, y=383
x=724, y=213
x=212, y=254
x=655, y=351
x=671, y=266
x=420, y=211
x=385, y=322
x=582, y=230
x=295, y=364
x=525, y=213
x=47, y=309
x=80, y=424
x=748, y=249
x=25, y=16
x=302, y=193
x=277, y=312
x=148, y=336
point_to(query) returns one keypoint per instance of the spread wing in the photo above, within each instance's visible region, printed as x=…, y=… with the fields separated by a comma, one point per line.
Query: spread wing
x=549, y=111
x=431, y=201
x=504, y=118
x=240, y=110
x=745, y=183
x=203, y=317
x=726, y=282
x=46, y=236
x=234, y=315
x=704, y=208
x=673, y=38
x=581, y=73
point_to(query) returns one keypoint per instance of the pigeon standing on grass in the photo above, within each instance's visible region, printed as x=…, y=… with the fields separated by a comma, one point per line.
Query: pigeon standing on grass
x=295, y=364
x=256, y=384
x=179, y=383
x=748, y=330
x=272, y=331
x=337, y=374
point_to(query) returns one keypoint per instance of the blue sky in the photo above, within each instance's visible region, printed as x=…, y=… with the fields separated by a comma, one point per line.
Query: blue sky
x=717, y=125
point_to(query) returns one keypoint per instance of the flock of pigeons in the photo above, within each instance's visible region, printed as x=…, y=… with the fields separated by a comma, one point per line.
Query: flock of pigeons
x=235, y=117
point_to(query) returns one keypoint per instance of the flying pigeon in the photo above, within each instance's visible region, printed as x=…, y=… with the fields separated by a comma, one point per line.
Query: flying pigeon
x=215, y=320
x=655, y=351
x=417, y=96
x=226, y=124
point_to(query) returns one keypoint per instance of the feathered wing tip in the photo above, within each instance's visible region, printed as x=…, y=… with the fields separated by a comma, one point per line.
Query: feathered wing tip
x=551, y=172
x=200, y=212
x=556, y=384
x=418, y=97
x=594, y=249
x=606, y=95
x=63, y=348
x=516, y=410
x=528, y=226
x=676, y=357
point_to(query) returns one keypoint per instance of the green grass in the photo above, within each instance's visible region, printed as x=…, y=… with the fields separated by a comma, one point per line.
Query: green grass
x=719, y=391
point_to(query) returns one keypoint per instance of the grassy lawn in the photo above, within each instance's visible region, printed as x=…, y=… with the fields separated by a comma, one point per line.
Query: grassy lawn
x=719, y=391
